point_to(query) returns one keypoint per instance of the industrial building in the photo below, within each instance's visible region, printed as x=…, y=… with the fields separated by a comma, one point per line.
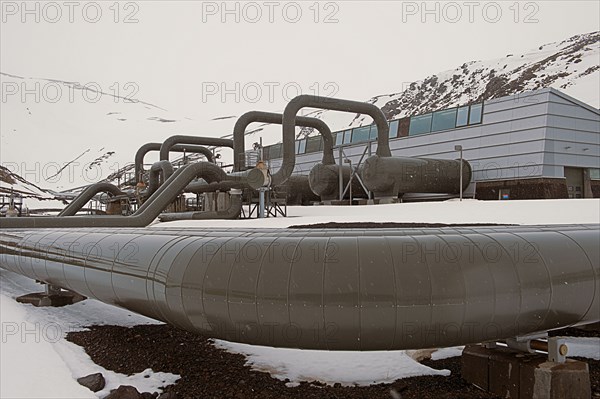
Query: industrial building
x=534, y=145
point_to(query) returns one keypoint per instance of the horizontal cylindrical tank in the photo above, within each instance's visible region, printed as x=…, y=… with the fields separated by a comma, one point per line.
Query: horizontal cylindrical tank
x=325, y=182
x=297, y=190
x=393, y=176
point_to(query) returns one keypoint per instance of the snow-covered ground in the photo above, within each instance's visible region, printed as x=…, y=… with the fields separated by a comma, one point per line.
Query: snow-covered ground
x=38, y=362
x=345, y=367
x=35, y=355
x=560, y=211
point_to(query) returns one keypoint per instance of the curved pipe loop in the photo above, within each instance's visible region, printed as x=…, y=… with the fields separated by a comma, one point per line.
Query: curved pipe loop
x=146, y=214
x=86, y=195
x=334, y=104
x=146, y=148
x=275, y=118
x=158, y=169
x=169, y=143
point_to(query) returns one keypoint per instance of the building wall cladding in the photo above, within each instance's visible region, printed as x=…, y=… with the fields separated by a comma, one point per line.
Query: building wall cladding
x=536, y=188
x=596, y=188
x=572, y=136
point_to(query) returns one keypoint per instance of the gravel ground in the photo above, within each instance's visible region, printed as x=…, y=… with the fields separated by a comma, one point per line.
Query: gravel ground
x=208, y=372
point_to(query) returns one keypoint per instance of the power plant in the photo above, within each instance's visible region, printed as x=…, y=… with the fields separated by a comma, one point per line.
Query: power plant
x=334, y=289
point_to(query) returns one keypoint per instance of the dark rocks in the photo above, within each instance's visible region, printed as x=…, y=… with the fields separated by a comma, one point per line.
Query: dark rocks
x=93, y=382
x=124, y=392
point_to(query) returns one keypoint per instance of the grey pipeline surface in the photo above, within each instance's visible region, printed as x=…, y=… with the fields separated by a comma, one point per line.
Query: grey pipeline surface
x=337, y=289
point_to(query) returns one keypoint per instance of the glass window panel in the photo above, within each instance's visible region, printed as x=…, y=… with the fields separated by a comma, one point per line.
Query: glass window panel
x=339, y=138
x=595, y=174
x=462, y=117
x=475, y=116
x=347, y=136
x=314, y=144
x=301, y=146
x=444, y=120
x=266, y=151
x=373, y=133
x=394, y=128
x=360, y=134
x=420, y=124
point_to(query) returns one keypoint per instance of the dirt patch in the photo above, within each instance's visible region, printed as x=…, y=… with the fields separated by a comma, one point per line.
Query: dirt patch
x=208, y=372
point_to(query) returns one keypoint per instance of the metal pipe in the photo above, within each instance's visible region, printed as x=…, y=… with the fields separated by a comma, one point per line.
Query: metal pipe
x=274, y=118
x=328, y=181
x=168, y=144
x=251, y=178
x=335, y=104
x=232, y=212
x=86, y=195
x=145, y=214
x=347, y=289
x=146, y=148
x=161, y=167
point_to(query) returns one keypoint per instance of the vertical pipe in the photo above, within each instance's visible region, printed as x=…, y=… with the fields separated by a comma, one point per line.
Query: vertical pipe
x=461, y=174
x=261, y=203
x=341, y=175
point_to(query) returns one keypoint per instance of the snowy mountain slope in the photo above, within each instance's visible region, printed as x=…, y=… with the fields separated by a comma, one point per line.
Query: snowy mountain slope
x=60, y=135
x=84, y=135
x=13, y=183
x=571, y=66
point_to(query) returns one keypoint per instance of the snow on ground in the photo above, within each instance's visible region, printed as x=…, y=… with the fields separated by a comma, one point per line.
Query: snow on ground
x=37, y=362
x=345, y=367
x=563, y=211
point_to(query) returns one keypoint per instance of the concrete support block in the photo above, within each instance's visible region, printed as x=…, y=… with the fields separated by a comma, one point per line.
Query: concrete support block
x=511, y=374
x=475, y=361
x=41, y=299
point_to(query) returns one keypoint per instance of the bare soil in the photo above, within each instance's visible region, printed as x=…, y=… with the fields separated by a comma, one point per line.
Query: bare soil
x=208, y=372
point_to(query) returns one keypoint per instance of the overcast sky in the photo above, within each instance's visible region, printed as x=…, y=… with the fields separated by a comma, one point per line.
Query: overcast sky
x=181, y=55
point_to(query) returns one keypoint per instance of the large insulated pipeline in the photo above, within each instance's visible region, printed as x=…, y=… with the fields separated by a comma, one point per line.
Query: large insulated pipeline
x=393, y=176
x=86, y=195
x=319, y=177
x=146, y=148
x=232, y=212
x=144, y=215
x=348, y=289
x=274, y=118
